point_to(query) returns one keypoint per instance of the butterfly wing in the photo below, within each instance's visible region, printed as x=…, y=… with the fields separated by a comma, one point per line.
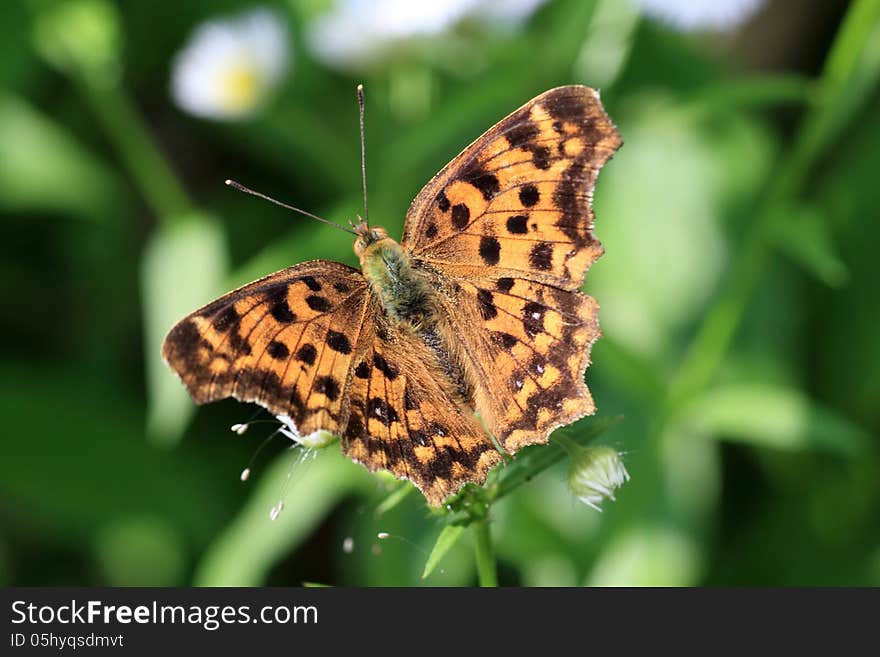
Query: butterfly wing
x=285, y=342
x=405, y=421
x=517, y=202
x=510, y=222
x=528, y=346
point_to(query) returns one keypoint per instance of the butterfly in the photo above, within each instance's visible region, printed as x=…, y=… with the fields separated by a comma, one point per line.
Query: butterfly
x=473, y=327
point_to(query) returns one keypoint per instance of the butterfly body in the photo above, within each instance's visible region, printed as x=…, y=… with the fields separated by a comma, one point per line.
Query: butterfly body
x=475, y=312
x=408, y=295
x=404, y=293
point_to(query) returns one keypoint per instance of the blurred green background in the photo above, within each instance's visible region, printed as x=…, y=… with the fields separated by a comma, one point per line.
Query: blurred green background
x=739, y=287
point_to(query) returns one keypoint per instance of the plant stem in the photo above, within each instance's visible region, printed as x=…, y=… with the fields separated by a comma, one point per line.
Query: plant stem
x=148, y=167
x=484, y=553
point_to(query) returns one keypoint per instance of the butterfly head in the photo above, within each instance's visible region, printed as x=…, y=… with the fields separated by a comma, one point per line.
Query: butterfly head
x=367, y=236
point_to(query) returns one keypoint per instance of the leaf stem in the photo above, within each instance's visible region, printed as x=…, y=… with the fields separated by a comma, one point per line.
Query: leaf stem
x=147, y=166
x=485, y=555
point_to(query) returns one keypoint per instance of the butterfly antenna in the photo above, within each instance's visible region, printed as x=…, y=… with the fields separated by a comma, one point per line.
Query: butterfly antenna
x=247, y=190
x=360, y=96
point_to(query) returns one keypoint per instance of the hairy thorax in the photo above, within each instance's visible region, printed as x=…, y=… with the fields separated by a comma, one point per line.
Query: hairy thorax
x=409, y=299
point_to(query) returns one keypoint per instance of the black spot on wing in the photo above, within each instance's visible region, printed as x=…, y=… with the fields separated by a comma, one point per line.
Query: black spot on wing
x=566, y=106
x=278, y=350
x=383, y=366
x=442, y=202
x=487, y=183
x=307, y=354
x=541, y=157
x=490, y=250
x=379, y=409
x=311, y=283
x=460, y=215
x=522, y=133
x=225, y=319
x=278, y=307
x=533, y=318
x=506, y=340
x=486, y=305
x=183, y=341
x=504, y=284
x=328, y=386
x=318, y=303
x=541, y=256
x=338, y=342
x=529, y=195
x=570, y=195
x=517, y=224
x=362, y=371
x=238, y=344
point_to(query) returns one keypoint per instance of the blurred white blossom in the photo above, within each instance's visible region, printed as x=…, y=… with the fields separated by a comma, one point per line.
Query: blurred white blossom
x=716, y=15
x=594, y=473
x=358, y=33
x=508, y=12
x=229, y=67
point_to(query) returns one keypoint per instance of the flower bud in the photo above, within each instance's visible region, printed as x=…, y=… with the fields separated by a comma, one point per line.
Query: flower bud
x=595, y=472
x=315, y=440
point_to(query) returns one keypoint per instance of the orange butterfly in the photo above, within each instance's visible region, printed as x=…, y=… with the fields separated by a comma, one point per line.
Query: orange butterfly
x=476, y=310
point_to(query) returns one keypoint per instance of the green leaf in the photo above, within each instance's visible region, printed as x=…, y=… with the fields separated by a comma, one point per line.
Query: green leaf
x=75, y=464
x=727, y=96
x=252, y=543
x=448, y=537
x=644, y=311
x=404, y=488
x=804, y=235
x=851, y=72
x=648, y=556
x=183, y=268
x=767, y=415
x=43, y=167
x=607, y=44
x=141, y=551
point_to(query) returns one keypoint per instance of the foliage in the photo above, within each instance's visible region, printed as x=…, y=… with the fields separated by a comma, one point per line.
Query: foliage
x=738, y=304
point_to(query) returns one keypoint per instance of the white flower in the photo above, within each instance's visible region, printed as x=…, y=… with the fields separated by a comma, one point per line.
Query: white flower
x=229, y=67
x=508, y=12
x=358, y=33
x=594, y=473
x=315, y=440
x=700, y=14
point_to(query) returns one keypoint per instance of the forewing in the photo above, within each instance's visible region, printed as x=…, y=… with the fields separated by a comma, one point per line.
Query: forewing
x=285, y=342
x=518, y=201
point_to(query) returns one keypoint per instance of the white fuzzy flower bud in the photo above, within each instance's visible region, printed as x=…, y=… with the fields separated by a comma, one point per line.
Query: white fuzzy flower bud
x=595, y=473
